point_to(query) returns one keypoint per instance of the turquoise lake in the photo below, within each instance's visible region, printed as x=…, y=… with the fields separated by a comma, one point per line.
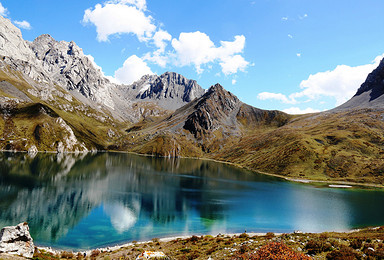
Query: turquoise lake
x=96, y=200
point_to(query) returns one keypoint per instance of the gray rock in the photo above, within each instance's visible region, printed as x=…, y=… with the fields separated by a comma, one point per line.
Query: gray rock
x=170, y=90
x=16, y=240
x=33, y=150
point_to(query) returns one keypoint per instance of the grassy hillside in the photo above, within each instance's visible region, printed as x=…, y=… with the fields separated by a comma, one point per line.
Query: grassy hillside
x=345, y=146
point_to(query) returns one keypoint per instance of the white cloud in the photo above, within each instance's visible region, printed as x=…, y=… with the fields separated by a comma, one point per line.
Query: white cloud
x=23, y=24
x=298, y=55
x=340, y=84
x=3, y=10
x=196, y=48
x=232, y=64
x=234, y=82
x=303, y=17
x=140, y=4
x=160, y=40
x=298, y=111
x=119, y=17
x=133, y=69
x=284, y=18
x=276, y=96
x=290, y=36
x=115, y=17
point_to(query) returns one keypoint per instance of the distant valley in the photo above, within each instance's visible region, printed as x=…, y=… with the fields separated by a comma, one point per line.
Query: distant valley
x=54, y=98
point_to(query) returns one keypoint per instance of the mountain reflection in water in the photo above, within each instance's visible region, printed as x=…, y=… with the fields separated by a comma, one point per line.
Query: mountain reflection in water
x=85, y=201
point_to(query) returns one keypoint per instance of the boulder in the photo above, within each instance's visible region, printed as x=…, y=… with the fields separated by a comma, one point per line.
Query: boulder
x=16, y=240
x=151, y=255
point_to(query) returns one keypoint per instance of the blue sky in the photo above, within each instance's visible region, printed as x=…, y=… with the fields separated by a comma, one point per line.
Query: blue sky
x=292, y=55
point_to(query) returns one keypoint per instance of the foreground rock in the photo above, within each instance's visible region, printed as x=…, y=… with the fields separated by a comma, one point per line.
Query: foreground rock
x=16, y=240
x=151, y=255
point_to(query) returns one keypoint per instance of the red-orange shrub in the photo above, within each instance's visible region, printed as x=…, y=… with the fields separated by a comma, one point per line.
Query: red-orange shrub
x=274, y=251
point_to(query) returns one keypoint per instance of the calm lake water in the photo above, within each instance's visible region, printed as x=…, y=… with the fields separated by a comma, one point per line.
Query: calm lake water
x=94, y=200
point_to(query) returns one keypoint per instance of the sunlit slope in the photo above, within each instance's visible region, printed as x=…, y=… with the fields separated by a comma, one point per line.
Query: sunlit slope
x=58, y=122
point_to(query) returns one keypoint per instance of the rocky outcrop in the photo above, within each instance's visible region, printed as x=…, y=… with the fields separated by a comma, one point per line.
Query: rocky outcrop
x=12, y=43
x=151, y=255
x=67, y=66
x=16, y=240
x=374, y=81
x=171, y=90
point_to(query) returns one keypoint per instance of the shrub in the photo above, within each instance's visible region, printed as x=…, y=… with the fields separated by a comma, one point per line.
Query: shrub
x=194, y=238
x=243, y=235
x=95, y=253
x=314, y=247
x=211, y=250
x=378, y=254
x=185, y=250
x=67, y=255
x=269, y=235
x=345, y=253
x=274, y=251
x=243, y=249
x=43, y=255
x=356, y=243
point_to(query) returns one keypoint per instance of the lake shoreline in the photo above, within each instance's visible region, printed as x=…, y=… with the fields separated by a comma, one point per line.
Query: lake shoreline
x=336, y=184
x=227, y=246
x=330, y=183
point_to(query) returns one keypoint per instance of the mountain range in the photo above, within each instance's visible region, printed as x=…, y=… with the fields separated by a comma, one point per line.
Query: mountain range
x=55, y=98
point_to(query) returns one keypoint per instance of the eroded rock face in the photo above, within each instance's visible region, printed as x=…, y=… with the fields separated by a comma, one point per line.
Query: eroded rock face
x=67, y=65
x=16, y=240
x=12, y=43
x=170, y=90
x=217, y=108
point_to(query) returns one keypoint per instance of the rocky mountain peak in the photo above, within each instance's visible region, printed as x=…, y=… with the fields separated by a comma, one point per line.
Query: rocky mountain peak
x=375, y=80
x=67, y=66
x=223, y=98
x=216, y=108
x=170, y=90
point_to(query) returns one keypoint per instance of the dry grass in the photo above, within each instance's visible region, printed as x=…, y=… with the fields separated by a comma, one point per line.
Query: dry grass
x=291, y=246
